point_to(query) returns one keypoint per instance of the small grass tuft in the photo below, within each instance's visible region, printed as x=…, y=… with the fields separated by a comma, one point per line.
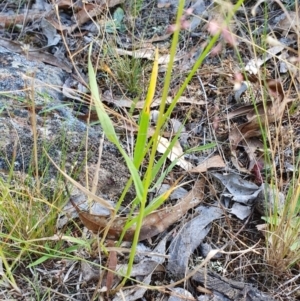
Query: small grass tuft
x=25, y=216
x=129, y=72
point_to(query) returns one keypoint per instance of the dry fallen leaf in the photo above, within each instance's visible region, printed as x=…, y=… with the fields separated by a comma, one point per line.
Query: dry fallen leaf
x=153, y=224
x=240, y=190
x=240, y=211
x=175, y=154
x=266, y=113
x=190, y=237
x=35, y=54
x=146, y=53
x=128, y=103
x=22, y=19
x=260, y=114
x=288, y=22
x=89, y=11
x=235, y=137
x=254, y=65
x=213, y=162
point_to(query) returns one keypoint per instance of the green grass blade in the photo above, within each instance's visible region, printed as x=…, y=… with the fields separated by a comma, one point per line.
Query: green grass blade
x=109, y=130
x=147, y=180
x=142, y=135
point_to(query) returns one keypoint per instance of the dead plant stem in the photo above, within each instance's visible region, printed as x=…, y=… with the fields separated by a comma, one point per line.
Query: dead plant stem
x=34, y=133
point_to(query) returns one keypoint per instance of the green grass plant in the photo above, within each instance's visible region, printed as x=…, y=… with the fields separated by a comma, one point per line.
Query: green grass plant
x=282, y=250
x=129, y=72
x=135, y=6
x=283, y=236
x=29, y=211
x=145, y=145
x=25, y=215
x=39, y=294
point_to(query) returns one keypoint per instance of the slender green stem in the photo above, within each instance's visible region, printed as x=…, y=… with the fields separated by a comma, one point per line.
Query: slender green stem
x=148, y=177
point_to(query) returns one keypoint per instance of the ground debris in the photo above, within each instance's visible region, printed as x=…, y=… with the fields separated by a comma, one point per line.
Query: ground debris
x=228, y=290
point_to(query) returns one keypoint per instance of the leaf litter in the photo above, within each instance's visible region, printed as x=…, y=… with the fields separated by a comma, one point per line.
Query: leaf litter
x=153, y=224
x=185, y=242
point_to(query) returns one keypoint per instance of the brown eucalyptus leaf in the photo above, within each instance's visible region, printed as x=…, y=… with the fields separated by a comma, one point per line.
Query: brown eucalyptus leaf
x=236, y=136
x=153, y=224
x=89, y=11
x=22, y=19
x=213, y=162
x=65, y=4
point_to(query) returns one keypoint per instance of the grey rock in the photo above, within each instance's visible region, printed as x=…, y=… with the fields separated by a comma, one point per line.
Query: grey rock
x=34, y=115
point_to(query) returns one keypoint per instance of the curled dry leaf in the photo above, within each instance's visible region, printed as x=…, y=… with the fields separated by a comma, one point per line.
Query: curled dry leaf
x=153, y=224
x=240, y=211
x=235, y=138
x=240, y=190
x=50, y=32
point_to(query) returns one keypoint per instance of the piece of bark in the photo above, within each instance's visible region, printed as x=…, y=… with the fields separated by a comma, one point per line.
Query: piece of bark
x=229, y=289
